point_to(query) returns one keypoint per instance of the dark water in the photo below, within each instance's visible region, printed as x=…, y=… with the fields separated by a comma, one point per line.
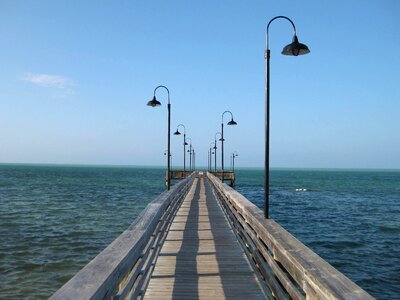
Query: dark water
x=53, y=220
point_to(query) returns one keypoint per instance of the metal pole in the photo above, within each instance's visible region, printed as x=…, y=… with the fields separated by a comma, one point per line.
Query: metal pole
x=194, y=160
x=208, y=160
x=211, y=158
x=222, y=150
x=267, y=110
x=215, y=154
x=169, y=148
x=184, y=154
x=267, y=57
x=151, y=103
x=190, y=155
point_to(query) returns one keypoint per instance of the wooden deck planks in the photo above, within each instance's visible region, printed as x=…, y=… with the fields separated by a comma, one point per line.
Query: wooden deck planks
x=201, y=257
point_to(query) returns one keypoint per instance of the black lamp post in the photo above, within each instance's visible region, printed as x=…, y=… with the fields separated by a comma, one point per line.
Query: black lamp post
x=293, y=49
x=231, y=122
x=190, y=152
x=153, y=103
x=208, y=160
x=184, y=145
x=194, y=159
x=234, y=154
x=211, y=153
x=215, y=149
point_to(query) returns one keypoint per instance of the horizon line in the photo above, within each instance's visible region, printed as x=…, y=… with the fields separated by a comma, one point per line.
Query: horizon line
x=200, y=168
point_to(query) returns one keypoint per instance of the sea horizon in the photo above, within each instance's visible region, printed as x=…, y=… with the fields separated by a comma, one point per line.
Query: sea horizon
x=200, y=168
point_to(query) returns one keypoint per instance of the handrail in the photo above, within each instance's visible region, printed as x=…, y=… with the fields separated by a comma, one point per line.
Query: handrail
x=288, y=268
x=123, y=269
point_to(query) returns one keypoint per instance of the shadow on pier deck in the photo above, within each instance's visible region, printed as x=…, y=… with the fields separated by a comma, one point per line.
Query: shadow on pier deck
x=204, y=240
x=201, y=257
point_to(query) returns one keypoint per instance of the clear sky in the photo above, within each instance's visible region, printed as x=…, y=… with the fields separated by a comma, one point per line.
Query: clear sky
x=75, y=77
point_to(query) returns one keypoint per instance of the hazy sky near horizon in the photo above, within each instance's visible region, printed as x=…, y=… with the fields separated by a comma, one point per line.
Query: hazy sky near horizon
x=75, y=77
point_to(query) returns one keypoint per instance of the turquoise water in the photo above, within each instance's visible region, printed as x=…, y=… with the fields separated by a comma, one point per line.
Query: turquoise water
x=350, y=218
x=55, y=219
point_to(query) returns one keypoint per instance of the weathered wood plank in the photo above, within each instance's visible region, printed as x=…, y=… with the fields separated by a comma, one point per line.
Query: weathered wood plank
x=201, y=257
x=101, y=277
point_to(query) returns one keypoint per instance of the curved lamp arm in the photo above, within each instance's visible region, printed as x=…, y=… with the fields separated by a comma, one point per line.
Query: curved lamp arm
x=273, y=19
x=184, y=128
x=190, y=141
x=227, y=111
x=162, y=86
x=215, y=137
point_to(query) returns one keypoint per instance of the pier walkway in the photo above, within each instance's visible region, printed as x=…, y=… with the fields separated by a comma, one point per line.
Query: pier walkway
x=204, y=240
x=201, y=257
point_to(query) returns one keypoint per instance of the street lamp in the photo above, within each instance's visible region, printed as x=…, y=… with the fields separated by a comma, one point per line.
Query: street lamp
x=215, y=149
x=194, y=159
x=210, y=157
x=190, y=152
x=293, y=49
x=231, y=122
x=184, y=145
x=154, y=103
x=234, y=154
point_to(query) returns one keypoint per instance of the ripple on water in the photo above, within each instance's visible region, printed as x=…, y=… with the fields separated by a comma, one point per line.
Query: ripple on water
x=349, y=218
x=54, y=220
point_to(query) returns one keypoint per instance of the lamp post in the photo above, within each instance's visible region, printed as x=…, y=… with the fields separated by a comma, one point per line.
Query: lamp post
x=234, y=154
x=231, y=122
x=215, y=149
x=211, y=153
x=293, y=49
x=194, y=159
x=208, y=160
x=154, y=103
x=184, y=145
x=190, y=152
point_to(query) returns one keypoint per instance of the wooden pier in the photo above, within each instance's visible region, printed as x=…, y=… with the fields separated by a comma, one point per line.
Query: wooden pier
x=227, y=175
x=201, y=257
x=204, y=240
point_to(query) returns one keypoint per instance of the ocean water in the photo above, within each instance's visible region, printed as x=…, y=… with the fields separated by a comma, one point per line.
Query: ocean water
x=55, y=219
x=350, y=218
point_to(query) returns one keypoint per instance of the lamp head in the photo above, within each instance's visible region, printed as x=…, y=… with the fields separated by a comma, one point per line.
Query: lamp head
x=186, y=144
x=177, y=132
x=295, y=48
x=232, y=122
x=154, y=102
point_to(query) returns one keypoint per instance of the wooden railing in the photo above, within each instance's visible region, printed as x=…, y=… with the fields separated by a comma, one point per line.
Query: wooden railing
x=228, y=176
x=285, y=266
x=123, y=269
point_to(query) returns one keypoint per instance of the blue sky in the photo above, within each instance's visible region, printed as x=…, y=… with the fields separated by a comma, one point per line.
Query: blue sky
x=75, y=77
